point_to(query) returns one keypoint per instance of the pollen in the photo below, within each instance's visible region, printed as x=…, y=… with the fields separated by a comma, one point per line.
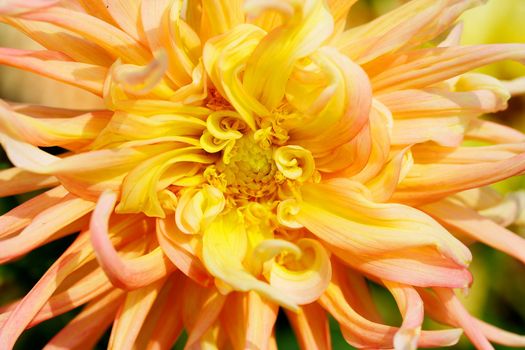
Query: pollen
x=247, y=171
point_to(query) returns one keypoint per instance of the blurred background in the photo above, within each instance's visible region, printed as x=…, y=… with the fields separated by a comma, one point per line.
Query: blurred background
x=498, y=292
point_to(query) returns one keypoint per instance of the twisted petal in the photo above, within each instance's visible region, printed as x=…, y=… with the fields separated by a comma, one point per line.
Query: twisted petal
x=272, y=62
x=125, y=274
x=224, y=248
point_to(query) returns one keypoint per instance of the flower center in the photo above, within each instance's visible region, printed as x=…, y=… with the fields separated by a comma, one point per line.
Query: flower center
x=247, y=171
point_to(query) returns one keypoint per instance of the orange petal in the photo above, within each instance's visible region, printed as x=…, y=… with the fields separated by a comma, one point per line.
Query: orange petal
x=209, y=303
x=429, y=182
x=57, y=39
x=406, y=26
x=411, y=307
x=434, y=308
x=311, y=327
x=76, y=255
x=457, y=311
x=132, y=314
x=125, y=274
x=44, y=225
x=177, y=246
x=55, y=66
x=484, y=130
x=116, y=42
x=424, y=67
x=164, y=323
x=88, y=326
x=350, y=210
x=22, y=215
x=360, y=332
x=476, y=226
x=9, y=7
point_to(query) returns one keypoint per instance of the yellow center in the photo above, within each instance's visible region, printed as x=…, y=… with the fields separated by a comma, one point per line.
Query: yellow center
x=248, y=171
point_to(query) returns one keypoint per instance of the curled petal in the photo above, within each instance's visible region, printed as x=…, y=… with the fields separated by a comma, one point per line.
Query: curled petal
x=142, y=80
x=411, y=307
x=198, y=208
x=294, y=162
x=125, y=274
x=362, y=333
x=141, y=184
x=223, y=251
x=304, y=278
x=270, y=66
x=434, y=307
x=224, y=57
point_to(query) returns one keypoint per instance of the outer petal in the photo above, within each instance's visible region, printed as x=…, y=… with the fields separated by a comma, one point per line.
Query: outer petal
x=130, y=274
x=411, y=307
x=463, y=318
x=43, y=226
x=15, y=181
x=311, y=327
x=116, y=42
x=435, y=309
x=383, y=239
x=407, y=26
x=132, y=314
x=371, y=223
x=474, y=225
x=360, y=332
x=88, y=326
x=76, y=255
x=52, y=65
x=424, y=67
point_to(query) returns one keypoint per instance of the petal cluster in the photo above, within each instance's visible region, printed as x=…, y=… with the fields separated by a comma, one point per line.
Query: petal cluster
x=254, y=155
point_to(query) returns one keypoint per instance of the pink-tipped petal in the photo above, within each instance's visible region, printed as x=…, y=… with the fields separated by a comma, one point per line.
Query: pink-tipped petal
x=44, y=225
x=476, y=226
x=458, y=312
x=411, y=307
x=126, y=274
x=77, y=255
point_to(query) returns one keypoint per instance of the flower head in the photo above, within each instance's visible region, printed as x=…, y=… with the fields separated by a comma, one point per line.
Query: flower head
x=254, y=155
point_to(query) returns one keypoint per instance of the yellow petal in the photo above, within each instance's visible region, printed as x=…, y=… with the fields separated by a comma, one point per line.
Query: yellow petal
x=272, y=62
x=223, y=251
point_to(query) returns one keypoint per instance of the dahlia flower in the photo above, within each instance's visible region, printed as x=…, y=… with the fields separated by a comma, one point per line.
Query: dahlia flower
x=255, y=155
